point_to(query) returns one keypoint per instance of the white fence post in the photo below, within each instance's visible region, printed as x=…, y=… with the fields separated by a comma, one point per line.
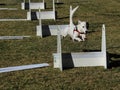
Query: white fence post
x=59, y=51
x=54, y=5
x=39, y=17
x=29, y=13
x=103, y=46
x=39, y=27
x=103, y=39
x=54, y=8
x=29, y=6
x=23, y=5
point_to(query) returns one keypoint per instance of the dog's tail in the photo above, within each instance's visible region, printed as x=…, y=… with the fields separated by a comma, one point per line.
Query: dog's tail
x=72, y=11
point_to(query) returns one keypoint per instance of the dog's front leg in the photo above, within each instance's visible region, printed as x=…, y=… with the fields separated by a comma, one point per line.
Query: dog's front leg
x=83, y=37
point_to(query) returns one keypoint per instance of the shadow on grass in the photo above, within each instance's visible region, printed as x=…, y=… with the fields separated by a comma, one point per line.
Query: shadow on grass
x=46, y=31
x=63, y=18
x=59, y=3
x=85, y=50
x=113, y=63
x=27, y=6
x=2, y=4
x=67, y=61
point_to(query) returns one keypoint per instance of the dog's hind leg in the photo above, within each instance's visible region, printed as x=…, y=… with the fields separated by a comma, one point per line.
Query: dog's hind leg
x=65, y=32
x=77, y=39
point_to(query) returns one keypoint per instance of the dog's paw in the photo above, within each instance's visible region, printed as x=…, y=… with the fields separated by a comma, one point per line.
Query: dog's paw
x=77, y=40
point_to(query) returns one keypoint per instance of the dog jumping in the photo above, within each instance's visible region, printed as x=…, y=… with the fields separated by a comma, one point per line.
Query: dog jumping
x=76, y=32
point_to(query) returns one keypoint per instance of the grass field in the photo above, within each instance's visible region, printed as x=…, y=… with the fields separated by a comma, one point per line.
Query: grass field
x=36, y=50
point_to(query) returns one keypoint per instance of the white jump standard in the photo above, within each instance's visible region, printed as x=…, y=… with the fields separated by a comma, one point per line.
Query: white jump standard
x=81, y=59
x=52, y=29
x=44, y=14
x=32, y=5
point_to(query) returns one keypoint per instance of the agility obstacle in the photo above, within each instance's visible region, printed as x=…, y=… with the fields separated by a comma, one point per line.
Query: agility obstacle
x=8, y=9
x=23, y=67
x=32, y=5
x=44, y=14
x=12, y=37
x=80, y=59
x=48, y=30
x=13, y=19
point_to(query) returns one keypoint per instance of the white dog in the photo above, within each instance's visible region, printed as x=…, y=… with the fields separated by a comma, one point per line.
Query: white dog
x=77, y=32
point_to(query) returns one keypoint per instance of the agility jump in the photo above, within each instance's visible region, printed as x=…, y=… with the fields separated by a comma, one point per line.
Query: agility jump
x=52, y=29
x=80, y=59
x=32, y=5
x=44, y=14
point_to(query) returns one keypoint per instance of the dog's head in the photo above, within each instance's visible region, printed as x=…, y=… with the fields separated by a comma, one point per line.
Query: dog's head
x=82, y=26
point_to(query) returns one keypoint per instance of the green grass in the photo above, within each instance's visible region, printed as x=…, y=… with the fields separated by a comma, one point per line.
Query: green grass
x=35, y=50
x=18, y=28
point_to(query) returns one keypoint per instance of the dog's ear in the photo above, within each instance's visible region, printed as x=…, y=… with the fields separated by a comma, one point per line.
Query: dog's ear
x=79, y=22
x=87, y=25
